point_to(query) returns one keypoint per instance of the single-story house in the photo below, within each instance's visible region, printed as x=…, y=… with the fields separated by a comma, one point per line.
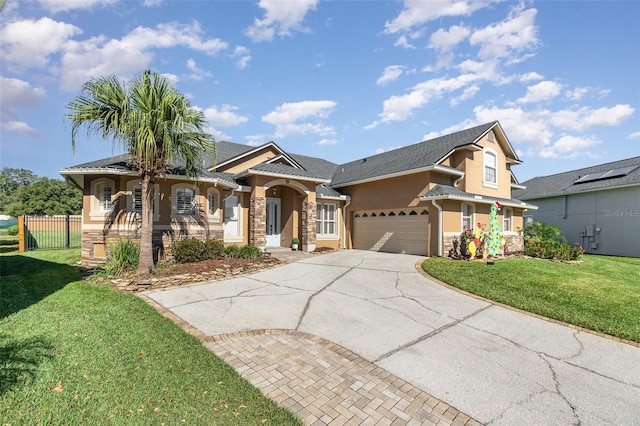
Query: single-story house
x=416, y=199
x=597, y=207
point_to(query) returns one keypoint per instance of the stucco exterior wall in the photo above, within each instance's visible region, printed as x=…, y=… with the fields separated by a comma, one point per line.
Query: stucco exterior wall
x=473, y=181
x=247, y=162
x=603, y=222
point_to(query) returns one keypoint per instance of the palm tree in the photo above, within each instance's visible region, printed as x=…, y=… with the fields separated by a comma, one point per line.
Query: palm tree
x=153, y=122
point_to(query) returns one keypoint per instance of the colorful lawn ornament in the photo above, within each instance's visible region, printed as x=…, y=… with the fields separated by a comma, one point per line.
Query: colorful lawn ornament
x=495, y=241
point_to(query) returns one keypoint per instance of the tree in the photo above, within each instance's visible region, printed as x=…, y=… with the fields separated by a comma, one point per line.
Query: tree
x=46, y=197
x=153, y=122
x=11, y=180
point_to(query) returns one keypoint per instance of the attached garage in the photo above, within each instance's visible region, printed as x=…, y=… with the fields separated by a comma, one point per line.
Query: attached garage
x=393, y=231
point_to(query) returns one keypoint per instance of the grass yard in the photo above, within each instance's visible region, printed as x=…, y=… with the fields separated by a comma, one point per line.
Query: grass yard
x=72, y=352
x=601, y=293
x=8, y=243
x=54, y=239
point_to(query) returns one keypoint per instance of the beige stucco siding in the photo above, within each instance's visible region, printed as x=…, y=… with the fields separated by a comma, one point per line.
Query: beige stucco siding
x=245, y=163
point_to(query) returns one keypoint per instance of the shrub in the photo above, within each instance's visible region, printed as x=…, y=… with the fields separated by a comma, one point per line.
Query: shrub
x=214, y=248
x=121, y=257
x=548, y=242
x=189, y=250
x=232, y=251
x=249, y=252
x=12, y=230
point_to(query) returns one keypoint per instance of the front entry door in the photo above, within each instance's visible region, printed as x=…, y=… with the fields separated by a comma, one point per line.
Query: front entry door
x=273, y=222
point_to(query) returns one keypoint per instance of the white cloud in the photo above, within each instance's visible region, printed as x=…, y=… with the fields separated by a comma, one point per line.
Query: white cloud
x=280, y=18
x=543, y=91
x=391, y=148
x=99, y=56
x=634, y=135
x=569, y=147
x=55, y=6
x=444, y=40
x=391, y=73
x=400, y=107
x=584, y=118
x=225, y=116
x=30, y=43
x=16, y=95
x=151, y=3
x=197, y=74
x=530, y=77
x=467, y=93
x=577, y=93
x=256, y=140
x=19, y=127
x=418, y=12
x=507, y=39
x=287, y=117
x=325, y=142
x=171, y=78
x=403, y=42
x=243, y=56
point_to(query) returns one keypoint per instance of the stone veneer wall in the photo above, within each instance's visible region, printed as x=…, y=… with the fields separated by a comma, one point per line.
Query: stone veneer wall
x=162, y=241
x=515, y=243
x=308, y=222
x=258, y=221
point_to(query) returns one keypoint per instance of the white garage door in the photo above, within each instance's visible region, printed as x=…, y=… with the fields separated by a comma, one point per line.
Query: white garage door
x=394, y=231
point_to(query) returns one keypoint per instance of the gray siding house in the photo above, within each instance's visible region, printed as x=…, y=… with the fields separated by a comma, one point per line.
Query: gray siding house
x=598, y=207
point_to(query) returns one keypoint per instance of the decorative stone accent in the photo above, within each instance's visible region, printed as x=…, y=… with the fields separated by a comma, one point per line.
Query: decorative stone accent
x=308, y=221
x=515, y=243
x=258, y=222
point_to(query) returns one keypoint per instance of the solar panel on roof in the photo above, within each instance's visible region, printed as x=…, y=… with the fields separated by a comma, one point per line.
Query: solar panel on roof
x=607, y=174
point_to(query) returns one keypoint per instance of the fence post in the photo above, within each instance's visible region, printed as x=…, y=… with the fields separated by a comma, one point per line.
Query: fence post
x=68, y=232
x=21, y=235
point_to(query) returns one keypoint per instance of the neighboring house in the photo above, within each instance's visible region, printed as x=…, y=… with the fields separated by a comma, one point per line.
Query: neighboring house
x=415, y=199
x=598, y=207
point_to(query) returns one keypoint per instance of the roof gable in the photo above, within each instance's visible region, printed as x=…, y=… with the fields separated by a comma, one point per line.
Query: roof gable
x=239, y=157
x=595, y=178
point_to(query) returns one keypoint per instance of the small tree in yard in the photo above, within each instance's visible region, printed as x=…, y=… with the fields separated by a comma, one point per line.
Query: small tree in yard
x=155, y=124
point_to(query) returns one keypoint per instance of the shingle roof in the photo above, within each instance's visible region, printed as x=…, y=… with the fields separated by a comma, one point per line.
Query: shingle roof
x=565, y=183
x=323, y=191
x=411, y=157
x=445, y=191
x=285, y=169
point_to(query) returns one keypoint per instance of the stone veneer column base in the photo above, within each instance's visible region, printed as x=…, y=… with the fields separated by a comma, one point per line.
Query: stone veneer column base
x=308, y=222
x=258, y=222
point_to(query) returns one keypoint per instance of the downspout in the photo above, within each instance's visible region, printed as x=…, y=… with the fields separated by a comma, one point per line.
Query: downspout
x=457, y=181
x=439, y=207
x=344, y=222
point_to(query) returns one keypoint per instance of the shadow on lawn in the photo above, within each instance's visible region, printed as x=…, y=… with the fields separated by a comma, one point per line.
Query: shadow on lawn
x=25, y=281
x=20, y=359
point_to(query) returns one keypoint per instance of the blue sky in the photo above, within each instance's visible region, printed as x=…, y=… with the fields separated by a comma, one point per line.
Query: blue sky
x=339, y=80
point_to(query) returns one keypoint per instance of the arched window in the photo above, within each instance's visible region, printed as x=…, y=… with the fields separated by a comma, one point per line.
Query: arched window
x=184, y=199
x=103, y=191
x=413, y=213
x=490, y=168
x=134, y=198
x=392, y=214
x=402, y=214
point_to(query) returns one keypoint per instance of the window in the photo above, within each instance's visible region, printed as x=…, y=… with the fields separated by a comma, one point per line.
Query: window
x=507, y=219
x=326, y=219
x=213, y=203
x=232, y=218
x=134, y=198
x=105, y=194
x=467, y=216
x=184, y=199
x=490, y=167
x=103, y=199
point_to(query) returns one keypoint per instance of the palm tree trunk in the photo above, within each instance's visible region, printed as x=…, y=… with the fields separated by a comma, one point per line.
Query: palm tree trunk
x=146, y=232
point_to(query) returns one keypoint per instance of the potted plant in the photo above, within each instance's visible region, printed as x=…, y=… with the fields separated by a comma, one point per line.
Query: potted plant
x=294, y=244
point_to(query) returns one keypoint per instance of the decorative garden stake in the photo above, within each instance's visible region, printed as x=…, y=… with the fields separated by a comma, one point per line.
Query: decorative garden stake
x=494, y=239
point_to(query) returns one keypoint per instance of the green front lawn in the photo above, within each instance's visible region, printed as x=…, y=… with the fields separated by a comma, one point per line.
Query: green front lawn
x=72, y=352
x=601, y=293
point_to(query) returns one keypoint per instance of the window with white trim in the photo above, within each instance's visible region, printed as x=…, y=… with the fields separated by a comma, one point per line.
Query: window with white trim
x=184, y=199
x=490, y=167
x=467, y=216
x=213, y=203
x=507, y=219
x=326, y=219
x=232, y=218
x=134, y=198
x=103, y=191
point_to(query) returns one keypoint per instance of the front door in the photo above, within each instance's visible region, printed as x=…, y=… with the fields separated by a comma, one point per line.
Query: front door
x=273, y=222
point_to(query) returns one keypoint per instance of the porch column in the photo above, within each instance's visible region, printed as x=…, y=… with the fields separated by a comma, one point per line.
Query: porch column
x=308, y=222
x=258, y=222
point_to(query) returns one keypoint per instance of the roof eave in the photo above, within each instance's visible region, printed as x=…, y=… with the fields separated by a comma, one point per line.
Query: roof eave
x=249, y=172
x=562, y=194
x=434, y=167
x=479, y=199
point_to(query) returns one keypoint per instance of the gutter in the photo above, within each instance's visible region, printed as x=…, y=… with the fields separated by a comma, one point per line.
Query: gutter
x=439, y=207
x=344, y=223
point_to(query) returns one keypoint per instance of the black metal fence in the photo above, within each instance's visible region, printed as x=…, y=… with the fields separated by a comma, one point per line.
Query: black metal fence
x=51, y=232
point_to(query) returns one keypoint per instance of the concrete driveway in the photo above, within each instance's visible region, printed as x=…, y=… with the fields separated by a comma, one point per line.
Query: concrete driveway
x=494, y=364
